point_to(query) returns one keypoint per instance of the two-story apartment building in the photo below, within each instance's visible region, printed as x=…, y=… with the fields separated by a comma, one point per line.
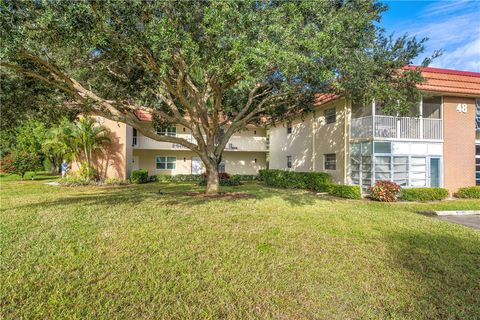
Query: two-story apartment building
x=438, y=144
x=245, y=153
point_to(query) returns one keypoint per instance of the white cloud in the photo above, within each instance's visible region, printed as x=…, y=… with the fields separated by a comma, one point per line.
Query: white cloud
x=465, y=57
x=454, y=27
x=446, y=7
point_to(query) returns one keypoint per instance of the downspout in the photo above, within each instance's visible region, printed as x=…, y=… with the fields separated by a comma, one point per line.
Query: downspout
x=313, y=142
x=346, y=142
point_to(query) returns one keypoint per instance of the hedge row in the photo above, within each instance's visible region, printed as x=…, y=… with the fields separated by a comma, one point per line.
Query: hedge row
x=198, y=177
x=230, y=181
x=179, y=177
x=315, y=181
x=423, y=194
x=139, y=176
x=344, y=191
x=468, y=193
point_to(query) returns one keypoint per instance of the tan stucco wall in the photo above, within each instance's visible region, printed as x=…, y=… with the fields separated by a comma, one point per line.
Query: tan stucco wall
x=329, y=138
x=297, y=144
x=332, y=138
x=235, y=162
x=459, y=143
x=111, y=161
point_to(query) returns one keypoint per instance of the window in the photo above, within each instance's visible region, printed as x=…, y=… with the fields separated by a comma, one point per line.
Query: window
x=383, y=147
x=134, y=137
x=330, y=161
x=432, y=107
x=289, y=128
x=418, y=172
x=166, y=163
x=477, y=164
x=330, y=115
x=382, y=168
x=400, y=170
x=167, y=131
x=289, y=162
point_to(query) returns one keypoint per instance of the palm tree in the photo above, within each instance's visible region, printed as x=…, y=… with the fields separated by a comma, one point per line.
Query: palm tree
x=88, y=136
x=59, y=144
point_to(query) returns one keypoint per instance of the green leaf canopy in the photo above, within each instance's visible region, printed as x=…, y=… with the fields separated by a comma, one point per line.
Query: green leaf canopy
x=207, y=64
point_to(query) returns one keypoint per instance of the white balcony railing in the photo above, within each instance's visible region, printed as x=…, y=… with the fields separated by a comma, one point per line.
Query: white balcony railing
x=236, y=143
x=400, y=128
x=188, y=138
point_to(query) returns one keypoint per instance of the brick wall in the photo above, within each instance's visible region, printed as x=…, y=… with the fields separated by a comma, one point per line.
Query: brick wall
x=459, y=143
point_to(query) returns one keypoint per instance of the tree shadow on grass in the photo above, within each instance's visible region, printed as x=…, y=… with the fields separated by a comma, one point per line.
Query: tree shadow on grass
x=178, y=194
x=445, y=267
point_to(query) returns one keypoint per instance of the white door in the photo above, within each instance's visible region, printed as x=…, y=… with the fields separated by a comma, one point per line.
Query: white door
x=135, y=163
x=197, y=165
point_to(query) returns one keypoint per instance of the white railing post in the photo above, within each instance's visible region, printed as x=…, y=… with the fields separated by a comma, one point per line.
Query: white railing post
x=398, y=127
x=421, y=118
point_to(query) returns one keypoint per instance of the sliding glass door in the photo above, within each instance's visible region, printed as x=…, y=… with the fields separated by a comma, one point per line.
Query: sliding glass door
x=434, y=172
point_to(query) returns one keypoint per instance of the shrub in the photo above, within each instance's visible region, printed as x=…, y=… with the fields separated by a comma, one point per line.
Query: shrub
x=223, y=176
x=19, y=162
x=153, y=178
x=75, y=181
x=139, y=176
x=225, y=179
x=424, y=194
x=233, y=181
x=247, y=177
x=114, y=182
x=385, y=191
x=179, y=177
x=468, y=193
x=344, y=191
x=315, y=181
x=198, y=177
x=86, y=172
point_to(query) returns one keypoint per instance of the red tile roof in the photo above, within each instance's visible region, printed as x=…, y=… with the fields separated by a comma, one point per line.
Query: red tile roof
x=143, y=115
x=449, y=81
x=322, y=98
x=436, y=80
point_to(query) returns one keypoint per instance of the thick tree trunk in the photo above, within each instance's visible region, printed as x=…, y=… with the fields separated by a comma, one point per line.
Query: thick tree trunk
x=213, y=183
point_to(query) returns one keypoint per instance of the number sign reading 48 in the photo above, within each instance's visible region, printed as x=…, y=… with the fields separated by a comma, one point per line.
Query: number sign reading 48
x=462, y=108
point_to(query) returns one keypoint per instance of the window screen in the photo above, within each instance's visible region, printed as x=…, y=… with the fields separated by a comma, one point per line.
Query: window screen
x=330, y=161
x=169, y=163
x=330, y=115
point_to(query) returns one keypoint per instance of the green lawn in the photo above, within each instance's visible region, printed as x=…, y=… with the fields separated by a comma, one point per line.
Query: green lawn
x=134, y=252
x=40, y=175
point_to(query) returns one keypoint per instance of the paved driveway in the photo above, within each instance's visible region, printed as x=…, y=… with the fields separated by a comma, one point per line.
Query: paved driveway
x=472, y=221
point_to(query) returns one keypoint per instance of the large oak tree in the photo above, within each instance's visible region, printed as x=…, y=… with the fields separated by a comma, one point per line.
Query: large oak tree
x=206, y=65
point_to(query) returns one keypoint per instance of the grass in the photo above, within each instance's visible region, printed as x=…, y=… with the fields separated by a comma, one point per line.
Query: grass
x=39, y=175
x=134, y=252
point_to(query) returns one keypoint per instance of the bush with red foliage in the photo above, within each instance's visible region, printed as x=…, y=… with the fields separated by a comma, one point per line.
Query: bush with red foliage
x=385, y=191
x=225, y=179
x=223, y=176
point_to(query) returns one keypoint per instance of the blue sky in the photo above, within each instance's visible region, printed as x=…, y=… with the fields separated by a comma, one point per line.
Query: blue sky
x=453, y=26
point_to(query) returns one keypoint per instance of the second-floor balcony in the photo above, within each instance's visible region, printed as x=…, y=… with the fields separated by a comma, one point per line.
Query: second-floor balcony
x=398, y=128
x=236, y=143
